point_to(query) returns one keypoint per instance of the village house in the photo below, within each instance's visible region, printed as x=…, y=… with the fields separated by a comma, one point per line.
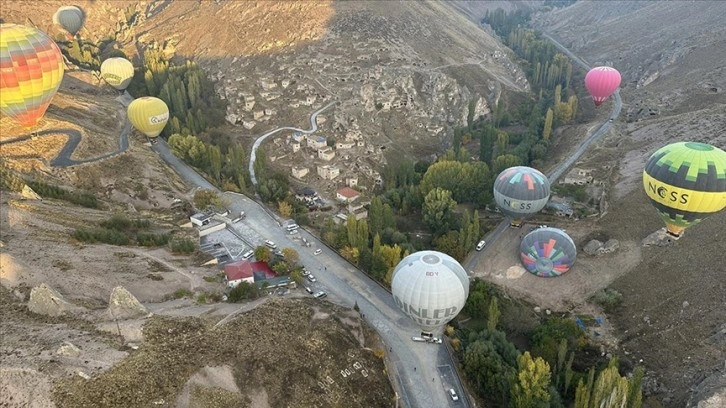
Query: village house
x=578, y=176
x=258, y=114
x=266, y=84
x=326, y=153
x=351, y=181
x=328, y=172
x=346, y=194
x=316, y=142
x=344, y=144
x=306, y=195
x=246, y=271
x=300, y=172
x=285, y=83
x=295, y=147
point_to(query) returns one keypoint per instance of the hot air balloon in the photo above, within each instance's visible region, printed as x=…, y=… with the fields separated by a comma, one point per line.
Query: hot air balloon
x=547, y=252
x=31, y=70
x=601, y=82
x=430, y=288
x=520, y=192
x=686, y=182
x=70, y=18
x=117, y=72
x=148, y=115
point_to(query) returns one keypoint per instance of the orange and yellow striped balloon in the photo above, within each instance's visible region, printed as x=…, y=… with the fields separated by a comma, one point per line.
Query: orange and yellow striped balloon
x=31, y=70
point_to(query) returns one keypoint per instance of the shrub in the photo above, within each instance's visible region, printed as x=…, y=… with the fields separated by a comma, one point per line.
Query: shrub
x=182, y=293
x=608, y=299
x=155, y=277
x=150, y=240
x=243, y=291
x=182, y=246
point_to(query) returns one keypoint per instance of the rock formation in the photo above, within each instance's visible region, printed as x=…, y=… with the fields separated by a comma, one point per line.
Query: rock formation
x=123, y=305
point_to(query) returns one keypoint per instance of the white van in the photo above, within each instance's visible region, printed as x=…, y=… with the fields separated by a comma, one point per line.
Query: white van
x=248, y=254
x=292, y=227
x=270, y=244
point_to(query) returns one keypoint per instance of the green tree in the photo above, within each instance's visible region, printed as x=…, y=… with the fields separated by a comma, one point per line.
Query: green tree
x=547, y=131
x=530, y=388
x=291, y=256
x=505, y=161
x=215, y=162
x=438, y=210
x=263, y=253
x=204, y=199
x=609, y=390
x=493, y=315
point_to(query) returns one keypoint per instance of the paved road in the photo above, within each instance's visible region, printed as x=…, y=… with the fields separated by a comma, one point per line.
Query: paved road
x=258, y=142
x=593, y=135
x=63, y=159
x=422, y=373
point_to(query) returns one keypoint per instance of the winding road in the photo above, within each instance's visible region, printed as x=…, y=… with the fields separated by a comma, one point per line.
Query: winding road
x=259, y=140
x=63, y=159
x=593, y=136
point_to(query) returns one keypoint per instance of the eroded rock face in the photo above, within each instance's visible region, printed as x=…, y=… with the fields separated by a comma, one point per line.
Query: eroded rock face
x=593, y=247
x=45, y=300
x=68, y=349
x=123, y=305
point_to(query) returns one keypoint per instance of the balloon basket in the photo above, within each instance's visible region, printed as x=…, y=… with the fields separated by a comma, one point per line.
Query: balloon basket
x=660, y=238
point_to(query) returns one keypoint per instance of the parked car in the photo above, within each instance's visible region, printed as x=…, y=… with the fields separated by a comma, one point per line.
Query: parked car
x=318, y=251
x=453, y=395
x=270, y=244
x=305, y=272
x=481, y=245
x=311, y=278
x=248, y=254
x=307, y=289
x=320, y=294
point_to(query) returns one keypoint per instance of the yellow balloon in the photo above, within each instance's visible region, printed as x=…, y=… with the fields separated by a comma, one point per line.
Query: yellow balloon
x=117, y=72
x=148, y=115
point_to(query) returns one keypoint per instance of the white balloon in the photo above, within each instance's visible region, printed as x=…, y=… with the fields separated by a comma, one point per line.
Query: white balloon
x=431, y=288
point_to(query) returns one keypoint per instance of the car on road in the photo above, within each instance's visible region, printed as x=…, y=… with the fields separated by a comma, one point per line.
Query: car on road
x=318, y=251
x=270, y=244
x=453, y=395
x=611, y=119
x=293, y=232
x=305, y=272
x=248, y=254
x=481, y=245
x=307, y=289
x=320, y=294
x=311, y=278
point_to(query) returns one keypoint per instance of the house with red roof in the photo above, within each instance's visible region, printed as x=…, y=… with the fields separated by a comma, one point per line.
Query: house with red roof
x=347, y=194
x=246, y=271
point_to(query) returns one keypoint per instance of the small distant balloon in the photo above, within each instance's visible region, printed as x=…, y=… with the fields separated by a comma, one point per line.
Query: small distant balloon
x=31, y=70
x=601, y=83
x=117, y=72
x=686, y=182
x=71, y=18
x=148, y=115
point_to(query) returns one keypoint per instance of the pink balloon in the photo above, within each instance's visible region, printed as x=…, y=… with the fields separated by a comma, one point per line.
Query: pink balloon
x=602, y=82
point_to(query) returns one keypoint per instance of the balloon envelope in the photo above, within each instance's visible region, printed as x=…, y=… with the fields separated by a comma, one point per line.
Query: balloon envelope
x=547, y=252
x=685, y=182
x=148, y=115
x=521, y=191
x=601, y=82
x=117, y=72
x=31, y=70
x=70, y=18
x=430, y=288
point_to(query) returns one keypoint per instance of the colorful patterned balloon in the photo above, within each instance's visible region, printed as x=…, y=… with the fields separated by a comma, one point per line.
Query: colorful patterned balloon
x=520, y=192
x=31, y=70
x=686, y=182
x=547, y=252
